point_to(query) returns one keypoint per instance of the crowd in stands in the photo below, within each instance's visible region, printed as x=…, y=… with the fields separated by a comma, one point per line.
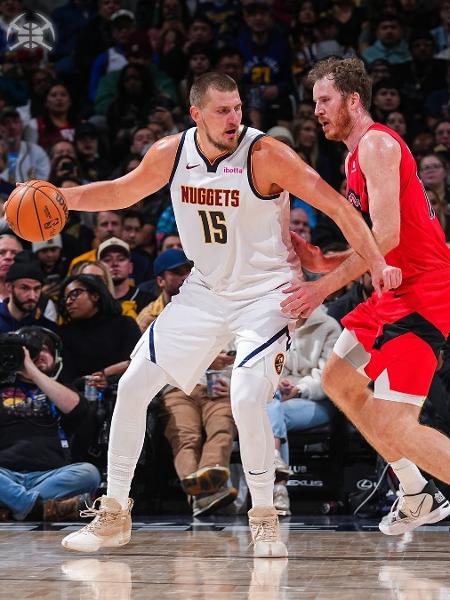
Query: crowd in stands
x=116, y=81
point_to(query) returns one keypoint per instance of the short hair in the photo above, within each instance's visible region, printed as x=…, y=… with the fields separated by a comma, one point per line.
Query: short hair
x=207, y=81
x=131, y=213
x=349, y=76
x=115, y=212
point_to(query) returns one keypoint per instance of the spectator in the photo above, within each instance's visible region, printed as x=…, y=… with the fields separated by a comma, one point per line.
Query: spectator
x=133, y=235
x=282, y=134
x=113, y=58
x=26, y=160
x=97, y=268
x=142, y=139
x=53, y=264
x=390, y=43
x=10, y=246
x=385, y=98
x=379, y=69
x=97, y=339
x=200, y=62
x=135, y=93
x=267, y=65
x=92, y=166
x=300, y=402
x=24, y=281
x=441, y=33
x=169, y=241
x=93, y=39
x=299, y=223
x=422, y=74
x=56, y=122
x=442, y=137
x=171, y=268
x=396, y=120
x=440, y=209
x=433, y=170
x=437, y=102
x=37, y=414
x=200, y=430
x=107, y=224
x=115, y=254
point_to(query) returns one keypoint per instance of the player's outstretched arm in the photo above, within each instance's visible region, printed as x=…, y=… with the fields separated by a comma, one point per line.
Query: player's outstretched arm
x=383, y=185
x=284, y=168
x=151, y=175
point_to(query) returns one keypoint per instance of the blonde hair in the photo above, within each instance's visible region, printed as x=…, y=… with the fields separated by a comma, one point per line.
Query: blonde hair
x=81, y=267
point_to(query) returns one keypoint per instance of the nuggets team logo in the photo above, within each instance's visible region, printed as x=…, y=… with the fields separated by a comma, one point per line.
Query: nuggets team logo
x=279, y=362
x=354, y=199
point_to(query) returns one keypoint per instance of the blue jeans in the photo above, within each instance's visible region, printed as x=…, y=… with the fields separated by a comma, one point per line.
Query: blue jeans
x=20, y=490
x=297, y=414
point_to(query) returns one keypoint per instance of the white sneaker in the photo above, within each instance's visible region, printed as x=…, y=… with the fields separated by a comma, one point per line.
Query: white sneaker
x=410, y=511
x=110, y=528
x=265, y=531
x=281, y=500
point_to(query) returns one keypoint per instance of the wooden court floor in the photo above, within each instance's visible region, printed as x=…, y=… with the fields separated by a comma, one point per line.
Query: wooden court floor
x=331, y=558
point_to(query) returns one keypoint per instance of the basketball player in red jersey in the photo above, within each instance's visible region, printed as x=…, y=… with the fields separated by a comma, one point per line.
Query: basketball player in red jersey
x=394, y=339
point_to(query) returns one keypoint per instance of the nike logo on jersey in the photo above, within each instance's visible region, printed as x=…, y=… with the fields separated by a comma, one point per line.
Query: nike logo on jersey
x=188, y=166
x=256, y=472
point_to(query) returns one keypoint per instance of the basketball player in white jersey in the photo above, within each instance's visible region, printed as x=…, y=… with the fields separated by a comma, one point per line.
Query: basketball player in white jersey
x=229, y=186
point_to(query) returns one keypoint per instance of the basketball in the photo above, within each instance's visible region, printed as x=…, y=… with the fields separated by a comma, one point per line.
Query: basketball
x=36, y=211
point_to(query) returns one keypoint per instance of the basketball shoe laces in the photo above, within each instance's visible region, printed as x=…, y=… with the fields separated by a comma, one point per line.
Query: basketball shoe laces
x=102, y=516
x=398, y=505
x=266, y=531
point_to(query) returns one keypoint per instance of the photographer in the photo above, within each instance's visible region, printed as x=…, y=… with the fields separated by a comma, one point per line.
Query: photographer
x=36, y=415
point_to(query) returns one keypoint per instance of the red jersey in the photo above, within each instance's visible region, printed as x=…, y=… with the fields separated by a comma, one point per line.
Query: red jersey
x=422, y=248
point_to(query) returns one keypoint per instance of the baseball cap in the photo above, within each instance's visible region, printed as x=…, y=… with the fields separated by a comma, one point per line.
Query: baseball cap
x=86, y=129
x=113, y=243
x=170, y=259
x=54, y=242
x=25, y=266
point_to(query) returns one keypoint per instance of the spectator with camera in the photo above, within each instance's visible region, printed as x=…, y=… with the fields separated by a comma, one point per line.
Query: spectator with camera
x=24, y=281
x=37, y=414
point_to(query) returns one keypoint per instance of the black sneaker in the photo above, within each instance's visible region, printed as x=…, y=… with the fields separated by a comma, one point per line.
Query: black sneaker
x=413, y=510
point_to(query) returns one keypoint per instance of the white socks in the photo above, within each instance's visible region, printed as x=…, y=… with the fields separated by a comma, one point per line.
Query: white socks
x=409, y=476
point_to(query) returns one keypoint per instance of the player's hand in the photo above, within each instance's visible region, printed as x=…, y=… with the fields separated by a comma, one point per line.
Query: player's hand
x=385, y=277
x=311, y=257
x=304, y=297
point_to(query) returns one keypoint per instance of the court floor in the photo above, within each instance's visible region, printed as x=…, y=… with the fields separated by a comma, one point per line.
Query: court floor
x=331, y=558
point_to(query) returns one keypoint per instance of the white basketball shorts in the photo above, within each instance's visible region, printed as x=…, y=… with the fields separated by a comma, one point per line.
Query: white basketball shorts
x=198, y=323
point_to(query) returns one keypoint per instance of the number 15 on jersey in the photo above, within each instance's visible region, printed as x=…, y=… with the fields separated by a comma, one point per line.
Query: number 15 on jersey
x=214, y=226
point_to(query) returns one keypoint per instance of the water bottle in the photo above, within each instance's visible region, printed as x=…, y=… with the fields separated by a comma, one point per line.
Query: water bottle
x=90, y=391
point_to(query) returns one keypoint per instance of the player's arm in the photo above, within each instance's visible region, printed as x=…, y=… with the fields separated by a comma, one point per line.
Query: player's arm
x=383, y=185
x=148, y=177
x=284, y=168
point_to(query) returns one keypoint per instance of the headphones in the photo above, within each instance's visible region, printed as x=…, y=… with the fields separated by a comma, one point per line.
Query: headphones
x=43, y=334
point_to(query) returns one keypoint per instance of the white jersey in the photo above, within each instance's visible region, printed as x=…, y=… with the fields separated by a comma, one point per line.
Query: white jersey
x=238, y=239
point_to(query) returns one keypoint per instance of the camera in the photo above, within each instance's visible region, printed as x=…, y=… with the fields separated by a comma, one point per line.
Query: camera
x=33, y=338
x=12, y=354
